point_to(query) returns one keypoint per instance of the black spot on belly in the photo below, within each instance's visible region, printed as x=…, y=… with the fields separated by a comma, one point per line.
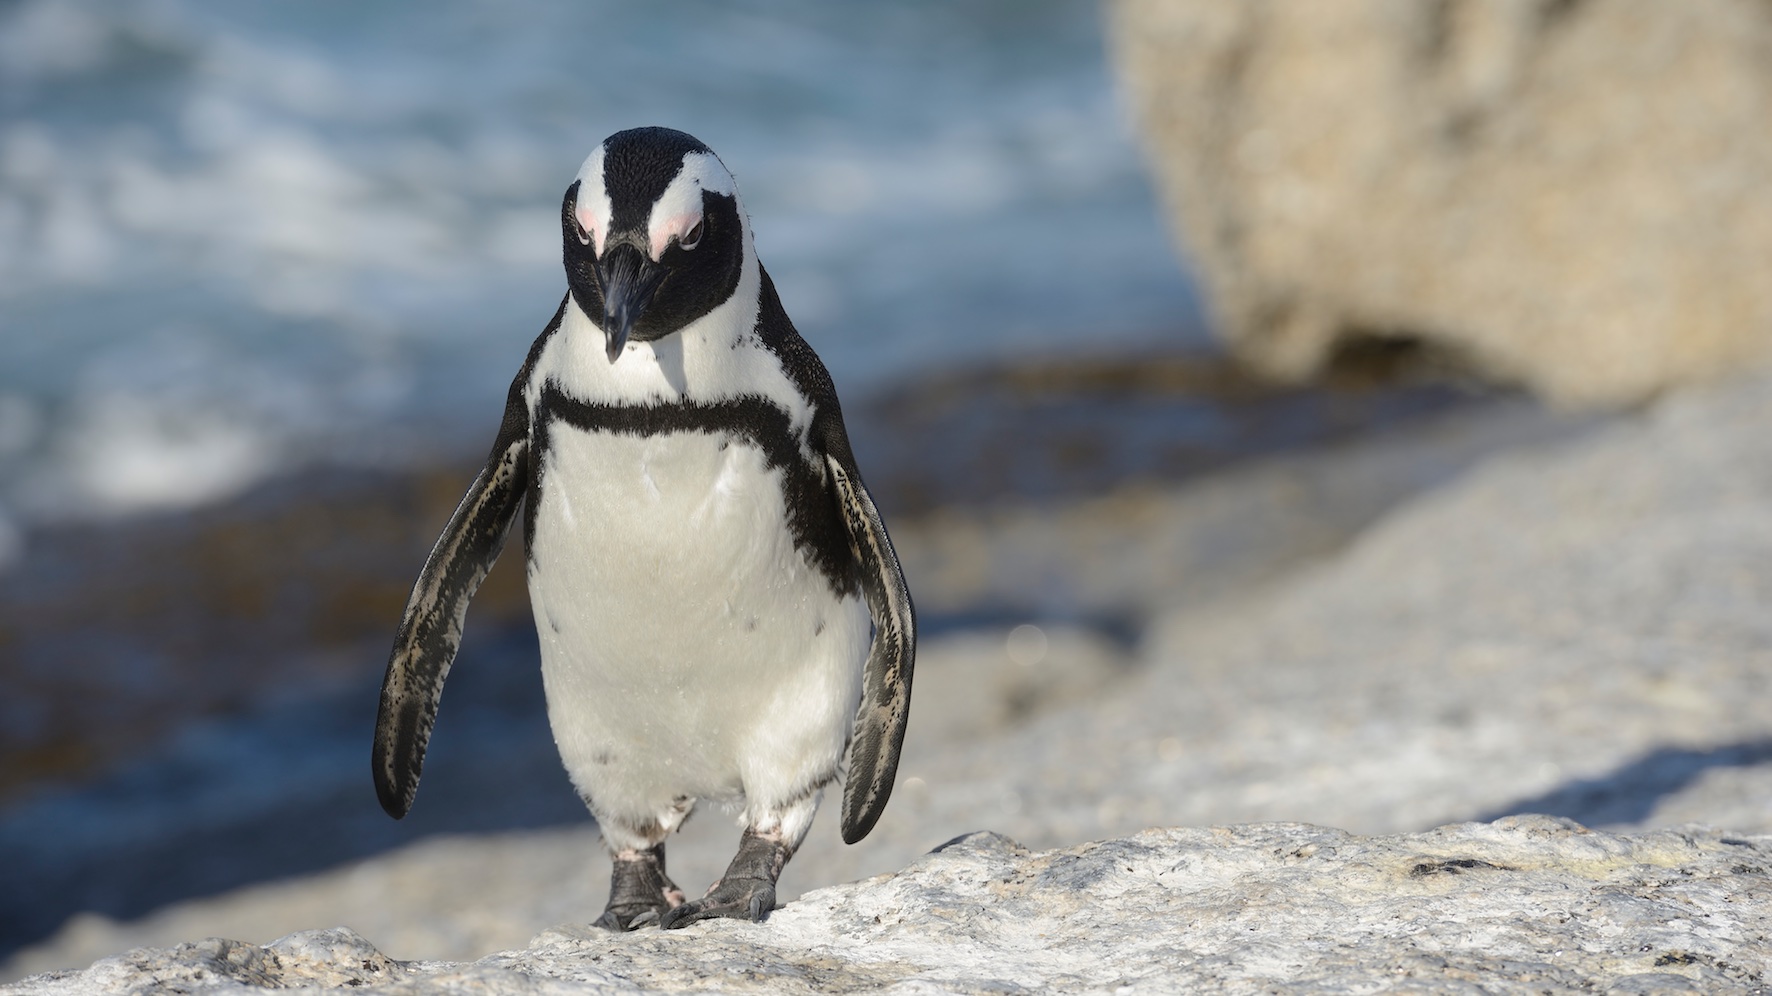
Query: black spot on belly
x=553, y=624
x=603, y=757
x=818, y=630
x=750, y=624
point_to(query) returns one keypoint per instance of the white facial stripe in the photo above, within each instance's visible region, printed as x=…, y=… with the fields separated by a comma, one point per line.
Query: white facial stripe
x=593, y=208
x=678, y=209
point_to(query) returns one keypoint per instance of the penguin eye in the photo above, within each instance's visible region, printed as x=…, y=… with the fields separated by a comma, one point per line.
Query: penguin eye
x=584, y=237
x=692, y=238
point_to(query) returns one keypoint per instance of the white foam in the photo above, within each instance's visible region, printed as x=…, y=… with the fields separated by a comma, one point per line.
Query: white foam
x=176, y=418
x=129, y=455
x=329, y=193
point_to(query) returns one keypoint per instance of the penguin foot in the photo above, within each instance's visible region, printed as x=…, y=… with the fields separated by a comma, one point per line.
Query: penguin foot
x=639, y=891
x=737, y=898
x=745, y=892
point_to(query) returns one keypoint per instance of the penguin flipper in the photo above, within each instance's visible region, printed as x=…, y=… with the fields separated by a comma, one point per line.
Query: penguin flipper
x=431, y=627
x=886, y=683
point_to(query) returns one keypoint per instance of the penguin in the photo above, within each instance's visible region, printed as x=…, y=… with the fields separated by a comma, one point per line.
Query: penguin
x=721, y=613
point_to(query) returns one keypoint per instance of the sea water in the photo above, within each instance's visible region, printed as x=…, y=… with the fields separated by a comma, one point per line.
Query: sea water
x=236, y=238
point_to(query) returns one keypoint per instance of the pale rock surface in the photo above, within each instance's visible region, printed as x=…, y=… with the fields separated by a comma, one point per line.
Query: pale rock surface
x=1123, y=559
x=1580, y=629
x=1583, y=629
x=1567, y=194
x=1526, y=903
x=1141, y=551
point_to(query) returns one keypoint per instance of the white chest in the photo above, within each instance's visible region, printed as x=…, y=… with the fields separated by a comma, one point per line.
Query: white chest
x=680, y=520
x=675, y=610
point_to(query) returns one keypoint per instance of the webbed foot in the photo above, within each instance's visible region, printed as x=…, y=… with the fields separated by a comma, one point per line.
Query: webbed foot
x=745, y=892
x=640, y=892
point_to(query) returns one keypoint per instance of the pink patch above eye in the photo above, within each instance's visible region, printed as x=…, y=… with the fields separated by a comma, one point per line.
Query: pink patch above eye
x=588, y=221
x=671, y=228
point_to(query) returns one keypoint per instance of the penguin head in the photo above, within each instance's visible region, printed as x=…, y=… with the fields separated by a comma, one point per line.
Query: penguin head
x=654, y=235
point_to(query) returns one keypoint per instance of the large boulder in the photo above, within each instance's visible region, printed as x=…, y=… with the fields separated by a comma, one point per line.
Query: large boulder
x=1569, y=195
x=1527, y=904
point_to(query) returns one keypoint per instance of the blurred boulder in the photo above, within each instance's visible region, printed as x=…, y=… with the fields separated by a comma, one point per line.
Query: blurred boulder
x=1564, y=194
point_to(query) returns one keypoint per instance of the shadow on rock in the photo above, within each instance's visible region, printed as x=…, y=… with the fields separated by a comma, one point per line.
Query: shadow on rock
x=1630, y=793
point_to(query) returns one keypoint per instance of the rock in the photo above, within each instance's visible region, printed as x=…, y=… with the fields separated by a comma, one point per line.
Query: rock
x=1578, y=629
x=315, y=959
x=1581, y=629
x=1117, y=560
x=979, y=685
x=198, y=822
x=1523, y=902
x=1568, y=195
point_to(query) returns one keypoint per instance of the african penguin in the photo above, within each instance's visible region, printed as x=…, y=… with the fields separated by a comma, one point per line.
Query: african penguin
x=721, y=613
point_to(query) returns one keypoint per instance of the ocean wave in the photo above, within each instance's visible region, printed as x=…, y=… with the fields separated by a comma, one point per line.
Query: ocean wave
x=353, y=209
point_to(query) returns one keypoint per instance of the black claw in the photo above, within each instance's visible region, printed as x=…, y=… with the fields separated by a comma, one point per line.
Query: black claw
x=614, y=921
x=736, y=899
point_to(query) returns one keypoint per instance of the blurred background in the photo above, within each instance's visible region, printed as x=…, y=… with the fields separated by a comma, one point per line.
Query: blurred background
x=267, y=270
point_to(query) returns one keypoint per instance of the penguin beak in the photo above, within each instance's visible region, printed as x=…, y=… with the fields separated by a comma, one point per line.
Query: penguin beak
x=629, y=279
